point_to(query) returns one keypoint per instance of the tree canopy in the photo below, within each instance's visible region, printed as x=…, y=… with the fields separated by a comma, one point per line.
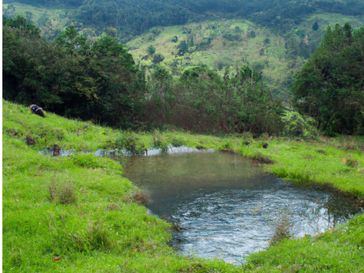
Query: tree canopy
x=330, y=87
x=71, y=76
x=132, y=17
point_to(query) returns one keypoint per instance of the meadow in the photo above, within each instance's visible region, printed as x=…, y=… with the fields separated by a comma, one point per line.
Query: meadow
x=79, y=214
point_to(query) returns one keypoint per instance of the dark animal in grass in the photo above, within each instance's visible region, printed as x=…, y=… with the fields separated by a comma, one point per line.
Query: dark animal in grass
x=37, y=110
x=29, y=140
x=265, y=145
x=56, y=151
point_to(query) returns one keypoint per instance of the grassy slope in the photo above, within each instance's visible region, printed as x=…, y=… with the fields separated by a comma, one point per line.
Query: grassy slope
x=49, y=20
x=305, y=32
x=105, y=231
x=269, y=56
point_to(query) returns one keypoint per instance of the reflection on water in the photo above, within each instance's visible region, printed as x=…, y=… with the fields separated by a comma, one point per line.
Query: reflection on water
x=226, y=207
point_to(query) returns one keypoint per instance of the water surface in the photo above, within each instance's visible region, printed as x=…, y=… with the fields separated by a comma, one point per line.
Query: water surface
x=226, y=207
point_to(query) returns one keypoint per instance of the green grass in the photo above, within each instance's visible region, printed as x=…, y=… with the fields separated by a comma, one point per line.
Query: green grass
x=101, y=229
x=79, y=210
x=222, y=51
x=334, y=251
x=266, y=51
x=49, y=20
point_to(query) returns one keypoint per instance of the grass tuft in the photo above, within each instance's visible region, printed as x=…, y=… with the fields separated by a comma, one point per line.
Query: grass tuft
x=64, y=193
x=282, y=230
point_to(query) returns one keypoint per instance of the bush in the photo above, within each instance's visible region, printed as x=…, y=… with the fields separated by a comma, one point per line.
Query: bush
x=158, y=58
x=297, y=125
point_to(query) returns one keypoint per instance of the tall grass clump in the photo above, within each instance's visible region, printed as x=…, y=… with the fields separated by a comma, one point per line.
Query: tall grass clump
x=131, y=142
x=282, y=230
x=177, y=142
x=64, y=194
x=159, y=141
x=98, y=237
x=350, y=162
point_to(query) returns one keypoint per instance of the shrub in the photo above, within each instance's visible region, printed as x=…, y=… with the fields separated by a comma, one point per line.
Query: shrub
x=158, y=58
x=297, y=125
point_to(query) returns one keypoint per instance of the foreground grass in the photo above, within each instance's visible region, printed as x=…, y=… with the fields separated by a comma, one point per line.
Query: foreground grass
x=78, y=213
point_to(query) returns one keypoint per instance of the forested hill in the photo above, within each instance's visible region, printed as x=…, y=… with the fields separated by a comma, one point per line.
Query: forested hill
x=132, y=17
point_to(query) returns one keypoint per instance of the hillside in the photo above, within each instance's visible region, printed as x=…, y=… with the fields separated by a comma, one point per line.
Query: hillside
x=51, y=20
x=79, y=214
x=130, y=18
x=217, y=34
x=218, y=44
x=223, y=43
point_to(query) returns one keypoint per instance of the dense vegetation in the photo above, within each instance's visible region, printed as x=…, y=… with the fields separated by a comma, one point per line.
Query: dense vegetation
x=79, y=214
x=274, y=37
x=135, y=17
x=219, y=44
x=330, y=86
x=98, y=80
x=50, y=3
x=72, y=76
x=201, y=100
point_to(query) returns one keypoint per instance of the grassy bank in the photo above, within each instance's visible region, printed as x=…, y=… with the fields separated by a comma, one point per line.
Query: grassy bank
x=79, y=214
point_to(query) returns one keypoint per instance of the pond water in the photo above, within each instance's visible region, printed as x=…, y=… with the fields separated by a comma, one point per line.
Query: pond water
x=226, y=207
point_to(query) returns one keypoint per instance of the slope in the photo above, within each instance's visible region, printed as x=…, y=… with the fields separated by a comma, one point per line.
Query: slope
x=79, y=214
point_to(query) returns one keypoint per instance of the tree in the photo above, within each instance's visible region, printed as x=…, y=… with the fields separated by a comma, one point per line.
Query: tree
x=315, y=26
x=330, y=86
x=73, y=76
x=151, y=50
x=182, y=48
x=158, y=58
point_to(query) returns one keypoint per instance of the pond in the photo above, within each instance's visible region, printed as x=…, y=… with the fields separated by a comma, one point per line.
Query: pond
x=226, y=207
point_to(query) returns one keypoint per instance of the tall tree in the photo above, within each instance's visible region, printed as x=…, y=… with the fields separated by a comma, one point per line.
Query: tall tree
x=330, y=87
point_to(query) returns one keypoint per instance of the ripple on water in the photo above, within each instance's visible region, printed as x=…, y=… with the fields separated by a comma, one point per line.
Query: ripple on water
x=227, y=208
